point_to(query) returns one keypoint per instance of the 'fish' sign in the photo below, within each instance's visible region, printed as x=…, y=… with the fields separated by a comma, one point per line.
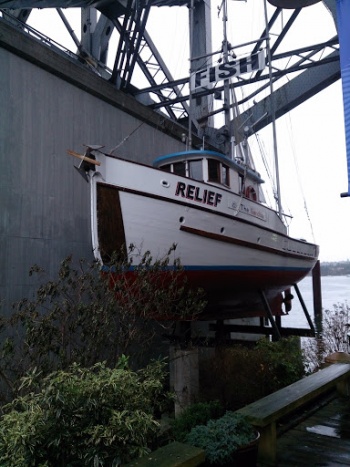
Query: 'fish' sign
x=213, y=74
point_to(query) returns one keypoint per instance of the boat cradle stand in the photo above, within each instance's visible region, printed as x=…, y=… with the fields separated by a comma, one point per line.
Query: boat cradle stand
x=270, y=325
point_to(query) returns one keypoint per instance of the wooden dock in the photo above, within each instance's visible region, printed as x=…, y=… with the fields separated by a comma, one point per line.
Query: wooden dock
x=320, y=437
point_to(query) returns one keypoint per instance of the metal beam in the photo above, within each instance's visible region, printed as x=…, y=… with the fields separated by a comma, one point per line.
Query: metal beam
x=315, y=76
x=101, y=37
x=110, y=8
x=201, y=46
x=276, y=331
x=319, y=70
x=264, y=330
x=332, y=8
x=296, y=91
x=153, y=67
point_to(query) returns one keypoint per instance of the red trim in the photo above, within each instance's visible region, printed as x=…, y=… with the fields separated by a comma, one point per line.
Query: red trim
x=244, y=243
x=234, y=294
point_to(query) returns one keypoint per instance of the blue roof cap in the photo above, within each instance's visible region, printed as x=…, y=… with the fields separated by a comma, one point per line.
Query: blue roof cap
x=200, y=153
x=187, y=154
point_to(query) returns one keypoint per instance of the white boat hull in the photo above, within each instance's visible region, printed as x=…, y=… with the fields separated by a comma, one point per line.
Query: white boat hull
x=232, y=247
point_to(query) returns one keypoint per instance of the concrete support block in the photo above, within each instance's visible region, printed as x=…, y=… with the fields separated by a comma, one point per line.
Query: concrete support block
x=184, y=376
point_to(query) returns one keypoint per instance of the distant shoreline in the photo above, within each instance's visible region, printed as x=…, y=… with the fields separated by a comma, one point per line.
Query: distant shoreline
x=340, y=268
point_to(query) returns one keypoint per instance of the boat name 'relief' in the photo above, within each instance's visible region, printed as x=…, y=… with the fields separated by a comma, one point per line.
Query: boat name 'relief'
x=185, y=190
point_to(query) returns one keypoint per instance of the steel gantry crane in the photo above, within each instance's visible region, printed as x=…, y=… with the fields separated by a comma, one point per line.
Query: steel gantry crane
x=309, y=68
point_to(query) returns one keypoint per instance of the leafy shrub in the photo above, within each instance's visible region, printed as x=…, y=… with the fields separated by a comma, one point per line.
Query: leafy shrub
x=198, y=413
x=221, y=438
x=86, y=317
x=91, y=417
x=283, y=362
x=244, y=374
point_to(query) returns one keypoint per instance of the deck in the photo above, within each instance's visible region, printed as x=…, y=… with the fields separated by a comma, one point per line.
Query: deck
x=320, y=437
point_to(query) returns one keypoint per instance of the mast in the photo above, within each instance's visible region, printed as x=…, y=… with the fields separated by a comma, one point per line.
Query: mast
x=189, y=142
x=226, y=105
x=273, y=116
x=227, y=100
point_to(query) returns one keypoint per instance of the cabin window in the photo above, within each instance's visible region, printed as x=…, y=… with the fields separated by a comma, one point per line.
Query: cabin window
x=250, y=193
x=213, y=171
x=225, y=179
x=218, y=173
x=166, y=168
x=195, y=169
x=179, y=168
x=241, y=183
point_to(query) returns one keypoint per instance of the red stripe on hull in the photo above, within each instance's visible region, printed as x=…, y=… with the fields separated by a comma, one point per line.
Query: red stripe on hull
x=229, y=280
x=237, y=293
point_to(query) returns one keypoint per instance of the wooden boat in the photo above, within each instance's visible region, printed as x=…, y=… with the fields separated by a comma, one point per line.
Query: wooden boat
x=228, y=240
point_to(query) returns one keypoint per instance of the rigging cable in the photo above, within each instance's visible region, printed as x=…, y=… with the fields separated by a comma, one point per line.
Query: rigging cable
x=126, y=138
x=298, y=179
x=267, y=168
x=273, y=116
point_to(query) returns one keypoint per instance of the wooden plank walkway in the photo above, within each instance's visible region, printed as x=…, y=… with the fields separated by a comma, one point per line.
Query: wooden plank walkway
x=320, y=439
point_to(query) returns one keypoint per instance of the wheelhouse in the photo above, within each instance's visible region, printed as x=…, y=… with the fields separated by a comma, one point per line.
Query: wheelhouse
x=215, y=169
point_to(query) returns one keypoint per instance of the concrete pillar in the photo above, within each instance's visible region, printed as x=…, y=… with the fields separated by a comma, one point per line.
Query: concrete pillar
x=184, y=376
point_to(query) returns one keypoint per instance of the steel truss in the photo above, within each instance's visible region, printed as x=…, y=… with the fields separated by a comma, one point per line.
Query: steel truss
x=309, y=69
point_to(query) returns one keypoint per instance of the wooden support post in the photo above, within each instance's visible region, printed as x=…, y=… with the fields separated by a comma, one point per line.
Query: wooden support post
x=317, y=296
x=343, y=388
x=268, y=444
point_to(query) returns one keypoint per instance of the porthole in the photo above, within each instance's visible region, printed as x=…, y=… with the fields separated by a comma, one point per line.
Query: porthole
x=182, y=220
x=165, y=183
x=222, y=230
x=259, y=239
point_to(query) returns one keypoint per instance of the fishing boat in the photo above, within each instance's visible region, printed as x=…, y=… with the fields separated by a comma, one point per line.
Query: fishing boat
x=212, y=206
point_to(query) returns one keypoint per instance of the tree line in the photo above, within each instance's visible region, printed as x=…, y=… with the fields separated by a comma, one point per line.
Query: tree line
x=337, y=268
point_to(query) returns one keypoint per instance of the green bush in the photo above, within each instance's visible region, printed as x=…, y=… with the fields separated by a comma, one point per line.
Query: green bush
x=221, y=438
x=198, y=413
x=283, y=362
x=86, y=317
x=83, y=417
x=244, y=374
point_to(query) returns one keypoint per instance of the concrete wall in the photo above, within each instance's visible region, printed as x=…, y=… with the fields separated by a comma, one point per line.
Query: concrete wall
x=49, y=104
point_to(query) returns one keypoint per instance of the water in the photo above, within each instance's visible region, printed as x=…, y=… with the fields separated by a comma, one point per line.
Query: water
x=335, y=289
